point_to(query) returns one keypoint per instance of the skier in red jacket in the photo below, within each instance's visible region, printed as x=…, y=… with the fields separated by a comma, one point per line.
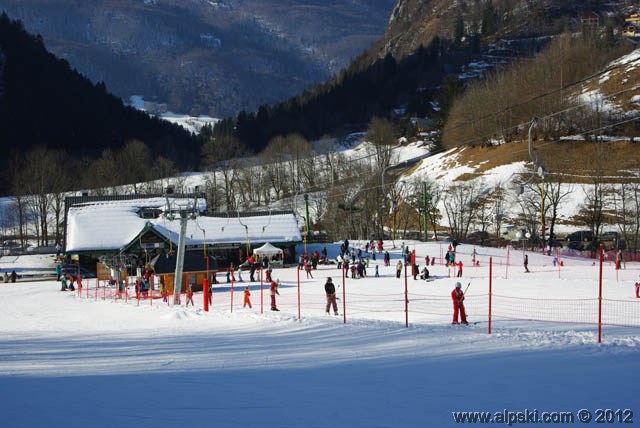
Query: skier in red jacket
x=274, y=291
x=247, y=297
x=457, y=295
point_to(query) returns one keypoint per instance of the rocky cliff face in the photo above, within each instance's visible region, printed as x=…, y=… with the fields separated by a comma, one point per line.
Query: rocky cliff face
x=415, y=22
x=203, y=56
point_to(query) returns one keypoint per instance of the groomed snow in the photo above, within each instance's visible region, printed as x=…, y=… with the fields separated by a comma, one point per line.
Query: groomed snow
x=67, y=361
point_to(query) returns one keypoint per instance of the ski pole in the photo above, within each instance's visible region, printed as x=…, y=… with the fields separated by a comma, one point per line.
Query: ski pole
x=464, y=294
x=465, y=290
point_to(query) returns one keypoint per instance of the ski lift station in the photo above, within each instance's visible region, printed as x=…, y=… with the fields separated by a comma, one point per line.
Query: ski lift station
x=137, y=232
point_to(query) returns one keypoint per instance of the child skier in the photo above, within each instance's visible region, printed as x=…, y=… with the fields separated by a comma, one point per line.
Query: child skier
x=189, y=295
x=274, y=291
x=398, y=268
x=307, y=268
x=425, y=273
x=457, y=295
x=247, y=295
x=330, y=291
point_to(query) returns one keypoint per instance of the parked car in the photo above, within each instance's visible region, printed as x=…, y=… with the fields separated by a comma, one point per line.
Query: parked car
x=478, y=238
x=413, y=235
x=609, y=236
x=580, y=236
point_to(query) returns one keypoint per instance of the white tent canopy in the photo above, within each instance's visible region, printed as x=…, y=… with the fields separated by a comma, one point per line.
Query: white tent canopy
x=267, y=250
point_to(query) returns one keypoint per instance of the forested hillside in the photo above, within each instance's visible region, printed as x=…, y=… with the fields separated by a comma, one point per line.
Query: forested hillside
x=426, y=60
x=547, y=86
x=43, y=102
x=494, y=22
x=351, y=100
x=205, y=57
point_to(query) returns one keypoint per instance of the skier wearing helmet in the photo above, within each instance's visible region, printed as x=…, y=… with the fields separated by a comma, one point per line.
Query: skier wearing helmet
x=457, y=295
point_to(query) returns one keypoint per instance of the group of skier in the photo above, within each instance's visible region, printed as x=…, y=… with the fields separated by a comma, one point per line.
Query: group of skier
x=68, y=280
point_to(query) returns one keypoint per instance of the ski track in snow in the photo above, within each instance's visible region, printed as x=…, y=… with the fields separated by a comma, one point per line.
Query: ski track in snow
x=166, y=365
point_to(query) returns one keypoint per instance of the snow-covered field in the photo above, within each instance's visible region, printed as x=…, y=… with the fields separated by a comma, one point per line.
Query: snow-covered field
x=68, y=362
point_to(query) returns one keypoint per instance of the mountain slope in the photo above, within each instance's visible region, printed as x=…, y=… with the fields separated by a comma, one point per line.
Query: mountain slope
x=205, y=57
x=417, y=22
x=44, y=102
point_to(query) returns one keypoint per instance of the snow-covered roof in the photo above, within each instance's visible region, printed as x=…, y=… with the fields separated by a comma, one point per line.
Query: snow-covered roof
x=114, y=225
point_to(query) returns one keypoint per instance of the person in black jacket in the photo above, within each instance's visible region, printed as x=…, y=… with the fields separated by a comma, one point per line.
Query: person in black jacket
x=330, y=289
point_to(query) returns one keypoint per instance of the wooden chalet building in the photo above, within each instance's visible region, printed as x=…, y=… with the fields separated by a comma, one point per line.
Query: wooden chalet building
x=143, y=231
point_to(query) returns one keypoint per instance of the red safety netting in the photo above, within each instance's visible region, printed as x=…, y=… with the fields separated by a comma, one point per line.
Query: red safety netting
x=413, y=304
x=107, y=290
x=578, y=311
x=622, y=313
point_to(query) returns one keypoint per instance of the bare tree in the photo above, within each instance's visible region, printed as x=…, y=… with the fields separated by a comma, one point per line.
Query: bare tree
x=460, y=204
x=557, y=192
x=102, y=175
x=276, y=174
x=626, y=203
x=297, y=149
x=19, y=189
x=162, y=169
x=499, y=197
x=134, y=164
x=484, y=212
x=529, y=216
x=598, y=194
x=592, y=212
x=213, y=192
x=248, y=184
x=383, y=136
x=331, y=159
x=411, y=206
x=42, y=178
x=221, y=153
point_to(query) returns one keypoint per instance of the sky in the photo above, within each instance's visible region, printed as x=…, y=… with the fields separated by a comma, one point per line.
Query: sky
x=74, y=361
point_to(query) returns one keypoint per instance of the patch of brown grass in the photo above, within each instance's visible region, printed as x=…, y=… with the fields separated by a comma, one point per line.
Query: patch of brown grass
x=623, y=82
x=578, y=159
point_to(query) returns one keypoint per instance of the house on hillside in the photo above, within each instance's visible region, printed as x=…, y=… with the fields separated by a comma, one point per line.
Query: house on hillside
x=631, y=31
x=144, y=231
x=634, y=18
x=424, y=126
x=590, y=19
x=631, y=28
